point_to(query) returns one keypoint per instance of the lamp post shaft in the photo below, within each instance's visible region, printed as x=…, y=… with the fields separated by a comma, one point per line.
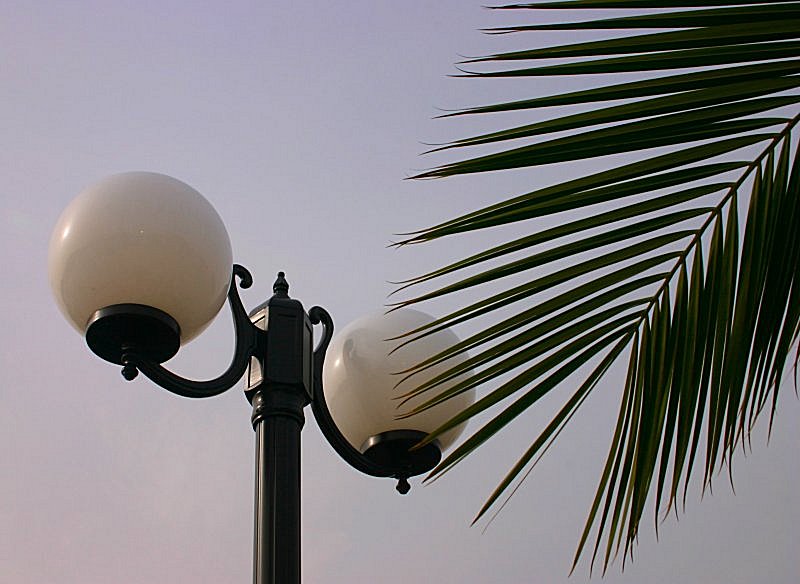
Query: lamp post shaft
x=277, y=420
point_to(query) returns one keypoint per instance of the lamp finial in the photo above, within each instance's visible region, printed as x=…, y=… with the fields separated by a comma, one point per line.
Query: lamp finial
x=281, y=286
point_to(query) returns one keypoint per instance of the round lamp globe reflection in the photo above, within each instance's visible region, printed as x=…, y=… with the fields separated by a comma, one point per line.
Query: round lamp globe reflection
x=141, y=239
x=360, y=377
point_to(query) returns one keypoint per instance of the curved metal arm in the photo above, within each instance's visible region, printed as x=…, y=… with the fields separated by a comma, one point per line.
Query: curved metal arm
x=320, y=407
x=247, y=336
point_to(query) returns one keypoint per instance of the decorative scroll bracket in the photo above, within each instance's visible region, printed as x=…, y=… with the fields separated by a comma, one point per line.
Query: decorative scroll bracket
x=247, y=344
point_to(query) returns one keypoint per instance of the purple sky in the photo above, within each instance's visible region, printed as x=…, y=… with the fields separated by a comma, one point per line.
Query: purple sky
x=298, y=121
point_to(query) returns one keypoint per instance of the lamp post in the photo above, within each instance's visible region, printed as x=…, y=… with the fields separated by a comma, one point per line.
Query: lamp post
x=141, y=263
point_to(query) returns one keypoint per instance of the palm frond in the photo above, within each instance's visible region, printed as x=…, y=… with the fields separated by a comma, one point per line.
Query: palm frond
x=688, y=261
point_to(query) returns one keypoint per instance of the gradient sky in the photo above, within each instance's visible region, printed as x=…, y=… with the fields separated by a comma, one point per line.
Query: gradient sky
x=299, y=122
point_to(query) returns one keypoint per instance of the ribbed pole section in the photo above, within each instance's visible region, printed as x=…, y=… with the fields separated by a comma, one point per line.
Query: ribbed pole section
x=277, y=421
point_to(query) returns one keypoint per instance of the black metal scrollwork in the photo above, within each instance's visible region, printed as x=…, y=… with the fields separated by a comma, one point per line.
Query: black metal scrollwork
x=396, y=459
x=319, y=406
x=247, y=341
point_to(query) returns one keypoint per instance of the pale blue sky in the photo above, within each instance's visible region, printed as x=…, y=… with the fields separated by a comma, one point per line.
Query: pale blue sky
x=299, y=122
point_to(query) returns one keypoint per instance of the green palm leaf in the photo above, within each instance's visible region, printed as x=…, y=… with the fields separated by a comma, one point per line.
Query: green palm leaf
x=687, y=262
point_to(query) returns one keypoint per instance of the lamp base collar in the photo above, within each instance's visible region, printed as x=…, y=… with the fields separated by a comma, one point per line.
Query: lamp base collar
x=116, y=329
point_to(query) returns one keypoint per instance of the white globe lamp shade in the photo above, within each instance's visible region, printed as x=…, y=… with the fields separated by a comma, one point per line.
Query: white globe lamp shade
x=360, y=380
x=144, y=241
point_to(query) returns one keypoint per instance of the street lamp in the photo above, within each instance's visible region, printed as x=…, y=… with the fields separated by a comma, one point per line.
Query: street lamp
x=141, y=263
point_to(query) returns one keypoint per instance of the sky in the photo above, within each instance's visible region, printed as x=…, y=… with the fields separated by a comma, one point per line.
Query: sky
x=299, y=122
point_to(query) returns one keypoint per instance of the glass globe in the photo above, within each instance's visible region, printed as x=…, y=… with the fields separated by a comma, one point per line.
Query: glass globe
x=360, y=374
x=141, y=239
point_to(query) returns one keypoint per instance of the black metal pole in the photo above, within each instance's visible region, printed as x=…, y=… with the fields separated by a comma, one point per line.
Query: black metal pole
x=277, y=421
x=274, y=343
